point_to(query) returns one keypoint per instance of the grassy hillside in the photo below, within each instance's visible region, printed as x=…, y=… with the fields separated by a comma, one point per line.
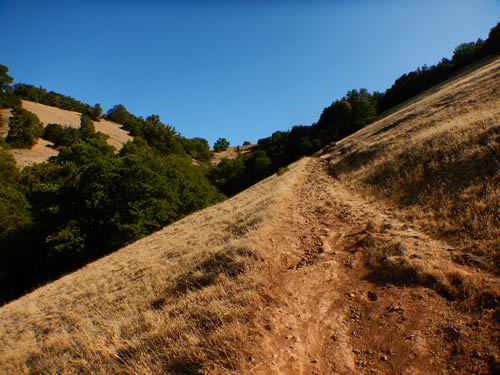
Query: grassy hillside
x=188, y=298
x=174, y=301
x=437, y=160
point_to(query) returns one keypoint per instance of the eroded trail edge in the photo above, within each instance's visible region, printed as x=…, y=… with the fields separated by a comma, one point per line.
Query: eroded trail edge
x=326, y=312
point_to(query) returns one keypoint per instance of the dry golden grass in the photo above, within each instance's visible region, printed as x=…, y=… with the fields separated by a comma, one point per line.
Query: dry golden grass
x=52, y=115
x=174, y=302
x=437, y=161
x=179, y=300
x=4, y=122
x=230, y=153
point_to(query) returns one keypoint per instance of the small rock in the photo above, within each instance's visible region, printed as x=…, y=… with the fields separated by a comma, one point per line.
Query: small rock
x=356, y=351
x=372, y=296
x=289, y=337
x=394, y=307
x=314, y=361
x=352, y=295
x=384, y=358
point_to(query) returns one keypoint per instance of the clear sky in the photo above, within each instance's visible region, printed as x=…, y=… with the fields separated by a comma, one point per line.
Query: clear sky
x=239, y=69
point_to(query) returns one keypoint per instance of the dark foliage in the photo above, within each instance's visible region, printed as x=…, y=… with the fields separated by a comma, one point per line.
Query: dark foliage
x=24, y=129
x=413, y=83
x=89, y=201
x=40, y=95
x=341, y=118
x=161, y=137
x=7, y=99
x=197, y=148
x=221, y=145
x=60, y=136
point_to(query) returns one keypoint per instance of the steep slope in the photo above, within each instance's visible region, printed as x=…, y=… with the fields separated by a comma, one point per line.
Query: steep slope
x=52, y=115
x=330, y=311
x=391, y=268
x=173, y=301
x=379, y=255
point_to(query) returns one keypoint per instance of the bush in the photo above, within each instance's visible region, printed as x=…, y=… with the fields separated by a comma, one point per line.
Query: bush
x=24, y=129
x=221, y=145
x=197, y=148
x=60, y=136
x=282, y=171
x=87, y=127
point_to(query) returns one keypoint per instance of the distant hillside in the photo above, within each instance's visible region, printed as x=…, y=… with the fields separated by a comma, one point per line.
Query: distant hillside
x=231, y=153
x=52, y=115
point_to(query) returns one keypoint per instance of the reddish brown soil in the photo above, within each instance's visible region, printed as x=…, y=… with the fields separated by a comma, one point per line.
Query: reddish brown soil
x=327, y=314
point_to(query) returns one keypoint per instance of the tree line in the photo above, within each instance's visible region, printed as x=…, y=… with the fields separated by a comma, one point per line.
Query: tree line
x=51, y=98
x=90, y=200
x=423, y=78
x=342, y=118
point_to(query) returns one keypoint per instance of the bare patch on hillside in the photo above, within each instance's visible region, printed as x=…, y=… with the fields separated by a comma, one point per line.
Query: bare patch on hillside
x=4, y=122
x=231, y=153
x=39, y=153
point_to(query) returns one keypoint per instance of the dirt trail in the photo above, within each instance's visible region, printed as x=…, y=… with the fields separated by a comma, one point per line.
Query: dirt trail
x=326, y=313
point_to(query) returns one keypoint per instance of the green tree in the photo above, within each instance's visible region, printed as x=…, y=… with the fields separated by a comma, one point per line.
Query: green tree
x=60, y=136
x=5, y=79
x=221, y=145
x=336, y=120
x=7, y=98
x=198, y=148
x=14, y=208
x=97, y=112
x=87, y=127
x=24, y=129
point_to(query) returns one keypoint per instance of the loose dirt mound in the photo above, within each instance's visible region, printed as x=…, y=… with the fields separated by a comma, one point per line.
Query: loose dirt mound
x=52, y=115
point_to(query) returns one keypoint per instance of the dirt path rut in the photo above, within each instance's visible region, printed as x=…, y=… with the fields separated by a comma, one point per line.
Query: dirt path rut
x=327, y=315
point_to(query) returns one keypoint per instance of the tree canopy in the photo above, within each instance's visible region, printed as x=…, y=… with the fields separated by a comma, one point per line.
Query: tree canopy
x=24, y=129
x=221, y=145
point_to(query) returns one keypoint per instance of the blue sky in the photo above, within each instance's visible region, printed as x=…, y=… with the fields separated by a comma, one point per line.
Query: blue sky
x=235, y=69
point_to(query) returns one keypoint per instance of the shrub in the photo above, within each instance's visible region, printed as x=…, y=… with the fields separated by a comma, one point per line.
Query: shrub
x=24, y=129
x=87, y=127
x=282, y=171
x=221, y=145
x=60, y=135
